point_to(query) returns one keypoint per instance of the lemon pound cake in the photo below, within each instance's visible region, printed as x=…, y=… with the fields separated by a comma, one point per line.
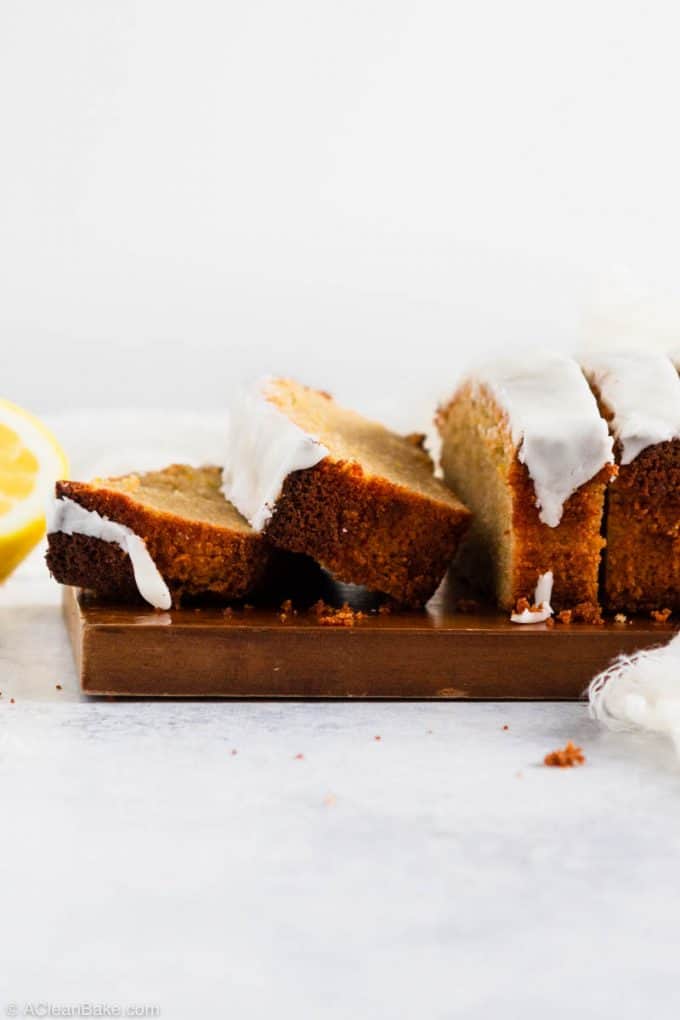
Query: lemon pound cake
x=525, y=446
x=362, y=501
x=639, y=394
x=160, y=535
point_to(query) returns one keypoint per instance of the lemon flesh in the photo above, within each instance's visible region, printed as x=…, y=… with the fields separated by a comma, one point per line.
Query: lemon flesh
x=31, y=461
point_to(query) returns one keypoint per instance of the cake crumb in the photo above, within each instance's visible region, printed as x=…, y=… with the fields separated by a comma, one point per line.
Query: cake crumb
x=506, y=727
x=620, y=618
x=377, y=737
x=299, y=757
x=586, y=612
x=661, y=615
x=228, y=611
x=11, y=701
x=328, y=616
x=565, y=757
x=385, y=609
x=524, y=606
x=565, y=616
x=233, y=751
x=59, y=687
x=550, y=622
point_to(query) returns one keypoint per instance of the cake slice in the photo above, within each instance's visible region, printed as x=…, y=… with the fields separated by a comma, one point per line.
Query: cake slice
x=161, y=535
x=363, y=502
x=525, y=446
x=639, y=395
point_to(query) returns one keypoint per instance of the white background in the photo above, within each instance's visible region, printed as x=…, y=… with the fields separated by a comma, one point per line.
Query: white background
x=363, y=194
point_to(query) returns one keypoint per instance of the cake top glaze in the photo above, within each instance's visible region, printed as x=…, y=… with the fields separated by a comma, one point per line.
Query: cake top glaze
x=554, y=422
x=263, y=447
x=642, y=392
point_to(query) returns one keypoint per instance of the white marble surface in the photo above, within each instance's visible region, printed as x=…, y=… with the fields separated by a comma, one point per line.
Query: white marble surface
x=439, y=872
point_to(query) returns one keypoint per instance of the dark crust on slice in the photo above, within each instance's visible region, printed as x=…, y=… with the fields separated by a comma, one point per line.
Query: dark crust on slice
x=642, y=560
x=91, y=564
x=194, y=557
x=642, y=571
x=366, y=530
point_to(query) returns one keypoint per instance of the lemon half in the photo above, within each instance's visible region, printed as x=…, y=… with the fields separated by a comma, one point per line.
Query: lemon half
x=31, y=461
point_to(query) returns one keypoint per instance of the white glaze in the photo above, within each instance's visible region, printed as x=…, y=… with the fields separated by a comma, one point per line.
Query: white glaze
x=542, y=598
x=555, y=425
x=263, y=448
x=643, y=393
x=71, y=518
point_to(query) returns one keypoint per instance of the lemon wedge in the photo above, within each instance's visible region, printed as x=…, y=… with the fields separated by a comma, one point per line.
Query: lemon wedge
x=31, y=460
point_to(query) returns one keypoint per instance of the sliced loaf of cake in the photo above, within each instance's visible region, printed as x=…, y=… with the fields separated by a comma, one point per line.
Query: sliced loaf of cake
x=161, y=535
x=363, y=502
x=525, y=446
x=639, y=395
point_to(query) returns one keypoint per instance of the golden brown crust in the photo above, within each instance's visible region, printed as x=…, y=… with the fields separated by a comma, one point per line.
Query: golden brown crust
x=366, y=530
x=194, y=557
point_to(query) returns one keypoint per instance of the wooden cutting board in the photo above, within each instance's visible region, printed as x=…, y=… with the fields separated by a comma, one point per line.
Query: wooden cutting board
x=253, y=653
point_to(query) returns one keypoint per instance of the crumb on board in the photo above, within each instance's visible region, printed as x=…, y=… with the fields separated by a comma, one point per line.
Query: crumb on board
x=11, y=701
x=377, y=737
x=506, y=727
x=328, y=616
x=59, y=687
x=661, y=615
x=565, y=616
x=299, y=756
x=385, y=609
x=565, y=757
x=234, y=751
x=620, y=618
x=586, y=612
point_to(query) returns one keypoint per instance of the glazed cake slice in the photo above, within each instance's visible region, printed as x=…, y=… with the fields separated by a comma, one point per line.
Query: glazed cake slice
x=161, y=535
x=363, y=502
x=524, y=444
x=639, y=395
